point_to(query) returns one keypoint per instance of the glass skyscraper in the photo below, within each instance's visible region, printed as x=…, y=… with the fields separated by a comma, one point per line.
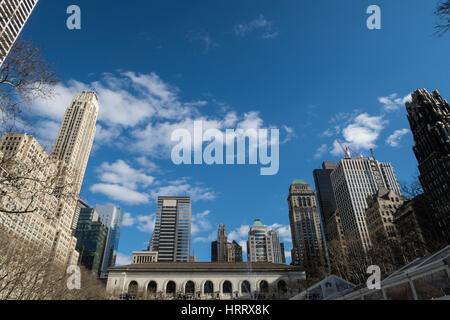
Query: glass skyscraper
x=111, y=216
x=172, y=235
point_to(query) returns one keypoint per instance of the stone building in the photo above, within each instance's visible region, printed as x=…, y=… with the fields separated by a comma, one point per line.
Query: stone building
x=380, y=214
x=205, y=281
x=429, y=118
x=306, y=226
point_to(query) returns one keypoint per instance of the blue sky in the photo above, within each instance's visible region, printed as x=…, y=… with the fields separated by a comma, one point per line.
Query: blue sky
x=310, y=68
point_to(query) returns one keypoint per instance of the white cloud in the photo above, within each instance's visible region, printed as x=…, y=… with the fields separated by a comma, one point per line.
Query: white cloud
x=395, y=138
x=393, y=102
x=120, y=193
x=200, y=223
x=239, y=234
x=121, y=173
x=147, y=165
x=321, y=151
x=146, y=224
x=122, y=259
x=260, y=23
x=183, y=188
x=128, y=220
x=364, y=131
x=143, y=223
x=211, y=237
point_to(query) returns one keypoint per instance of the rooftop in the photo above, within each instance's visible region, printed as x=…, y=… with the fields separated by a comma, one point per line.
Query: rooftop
x=242, y=267
x=299, y=181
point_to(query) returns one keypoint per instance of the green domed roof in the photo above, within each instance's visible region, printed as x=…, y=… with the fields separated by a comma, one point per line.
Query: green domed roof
x=258, y=223
x=299, y=181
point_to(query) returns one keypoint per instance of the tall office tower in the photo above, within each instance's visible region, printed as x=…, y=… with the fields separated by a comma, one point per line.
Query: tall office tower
x=259, y=244
x=234, y=252
x=30, y=174
x=91, y=236
x=335, y=233
x=219, y=248
x=80, y=205
x=13, y=16
x=325, y=194
x=71, y=152
x=276, y=247
x=353, y=180
x=306, y=227
x=380, y=215
x=111, y=217
x=172, y=234
x=429, y=118
x=283, y=254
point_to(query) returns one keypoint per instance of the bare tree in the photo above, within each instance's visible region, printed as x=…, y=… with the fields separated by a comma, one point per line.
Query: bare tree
x=443, y=12
x=27, y=272
x=24, y=76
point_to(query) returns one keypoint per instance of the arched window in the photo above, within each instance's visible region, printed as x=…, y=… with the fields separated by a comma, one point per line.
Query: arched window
x=227, y=287
x=171, y=288
x=133, y=289
x=190, y=288
x=208, y=288
x=152, y=287
x=264, y=287
x=245, y=287
x=282, y=287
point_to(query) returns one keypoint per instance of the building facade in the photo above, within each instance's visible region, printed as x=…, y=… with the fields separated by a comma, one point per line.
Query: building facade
x=417, y=232
x=205, y=281
x=380, y=215
x=111, y=216
x=335, y=233
x=429, y=118
x=306, y=226
x=234, y=252
x=259, y=244
x=80, y=205
x=71, y=153
x=13, y=17
x=91, y=236
x=224, y=251
x=172, y=234
x=353, y=180
x=26, y=200
x=219, y=248
x=276, y=247
x=324, y=188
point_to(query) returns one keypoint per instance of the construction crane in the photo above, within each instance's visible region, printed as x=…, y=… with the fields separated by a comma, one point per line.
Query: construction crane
x=348, y=151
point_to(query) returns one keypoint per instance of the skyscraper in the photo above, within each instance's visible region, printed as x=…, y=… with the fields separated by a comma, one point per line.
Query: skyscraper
x=353, y=180
x=62, y=172
x=306, y=226
x=259, y=244
x=71, y=153
x=429, y=118
x=276, y=247
x=13, y=16
x=219, y=249
x=172, y=234
x=234, y=252
x=91, y=236
x=80, y=205
x=111, y=216
x=324, y=187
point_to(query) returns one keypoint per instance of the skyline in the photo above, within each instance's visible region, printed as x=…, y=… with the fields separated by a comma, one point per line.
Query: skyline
x=126, y=159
